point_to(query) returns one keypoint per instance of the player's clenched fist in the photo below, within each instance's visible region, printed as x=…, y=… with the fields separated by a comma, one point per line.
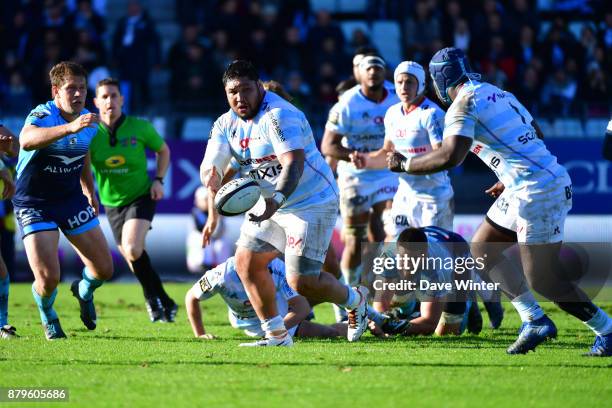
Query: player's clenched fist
x=83, y=121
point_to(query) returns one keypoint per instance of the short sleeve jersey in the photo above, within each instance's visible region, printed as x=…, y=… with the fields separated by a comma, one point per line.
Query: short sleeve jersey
x=360, y=121
x=257, y=143
x=52, y=173
x=224, y=280
x=503, y=136
x=121, y=170
x=414, y=133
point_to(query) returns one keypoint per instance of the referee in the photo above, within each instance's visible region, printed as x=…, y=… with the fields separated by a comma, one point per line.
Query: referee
x=126, y=191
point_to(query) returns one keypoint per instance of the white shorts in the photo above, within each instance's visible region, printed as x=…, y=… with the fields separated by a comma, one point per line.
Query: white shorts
x=302, y=233
x=409, y=211
x=537, y=217
x=358, y=197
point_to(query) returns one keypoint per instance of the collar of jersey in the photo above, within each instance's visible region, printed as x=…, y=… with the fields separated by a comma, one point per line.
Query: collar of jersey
x=386, y=91
x=115, y=129
x=412, y=107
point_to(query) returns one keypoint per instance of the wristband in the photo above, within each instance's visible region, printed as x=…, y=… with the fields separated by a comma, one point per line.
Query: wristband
x=160, y=179
x=406, y=164
x=279, y=198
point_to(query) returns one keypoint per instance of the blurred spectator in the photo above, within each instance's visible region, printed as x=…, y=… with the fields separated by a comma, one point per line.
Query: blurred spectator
x=559, y=93
x=222, y=54
x=422, y=32
x=56, y=17
x=89, y=52
x=526, y=48
x=461, y=36
x=323, y=29
x=529, y=89
x=596, y=91
x=85, y=18
x=450, y=17
x=295, y=53
x=136, y=50
x=521, y=14
x=498, y=58
x=358, y=40
x=299, y=90
x=559, y=44
x=17, y=94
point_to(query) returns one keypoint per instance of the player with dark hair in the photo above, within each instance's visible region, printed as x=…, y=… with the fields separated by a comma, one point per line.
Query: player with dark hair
x=442, y=311
x=129, y=196
x=55, y=190
x=356, y=125
x=272, y=141
x=534, y=193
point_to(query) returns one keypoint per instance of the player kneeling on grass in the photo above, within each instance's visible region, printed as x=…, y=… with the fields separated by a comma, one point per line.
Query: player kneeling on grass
x=224, y=280
x=443, y=305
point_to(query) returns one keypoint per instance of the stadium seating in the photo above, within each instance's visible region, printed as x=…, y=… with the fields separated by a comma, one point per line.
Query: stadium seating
x=568, y=128
x=329, y=5
x=197, y=128
x=159, y=123
x=595, y=128
x=352, y=6
x=386, y=36
x=348, y=28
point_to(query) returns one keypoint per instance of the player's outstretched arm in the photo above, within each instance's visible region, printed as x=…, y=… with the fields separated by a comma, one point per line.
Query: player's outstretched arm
x=192, y=306
x=331, y=146
x=451, y=153
x=35, y=137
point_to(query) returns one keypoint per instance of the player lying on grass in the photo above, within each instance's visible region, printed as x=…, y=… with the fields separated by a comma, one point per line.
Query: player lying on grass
x=294, y=308
x=442, y=311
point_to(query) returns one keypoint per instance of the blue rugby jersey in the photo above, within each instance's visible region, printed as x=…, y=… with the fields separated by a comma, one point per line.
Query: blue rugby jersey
x=53, y=172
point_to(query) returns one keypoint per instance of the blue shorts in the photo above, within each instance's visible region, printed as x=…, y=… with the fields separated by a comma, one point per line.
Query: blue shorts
x=73, y=216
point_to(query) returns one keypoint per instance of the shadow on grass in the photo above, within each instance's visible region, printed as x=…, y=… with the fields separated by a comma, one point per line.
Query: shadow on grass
x=513, y=362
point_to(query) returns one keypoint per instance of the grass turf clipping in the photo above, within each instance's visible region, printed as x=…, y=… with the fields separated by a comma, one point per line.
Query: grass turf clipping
x=128, y=361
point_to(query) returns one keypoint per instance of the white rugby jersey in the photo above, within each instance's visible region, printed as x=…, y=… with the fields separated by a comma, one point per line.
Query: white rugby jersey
x=503, y=136
x=360, y=121
x=224, y=280
x=256, y=144
x=413, y=133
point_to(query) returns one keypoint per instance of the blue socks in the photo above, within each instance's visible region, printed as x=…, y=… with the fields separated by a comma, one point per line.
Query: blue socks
x=4, y=293
x=88, y=285
x=45, y=305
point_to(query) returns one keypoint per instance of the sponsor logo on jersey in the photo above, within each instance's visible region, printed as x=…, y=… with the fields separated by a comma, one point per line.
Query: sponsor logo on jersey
x=477, y=149
x=115, y=161
x=333, y=118
x=263, y=173
x=205, y=286
x=244, y=144
x=257, y=160
x=67, y=160
x=40, y=114
x=379, y=120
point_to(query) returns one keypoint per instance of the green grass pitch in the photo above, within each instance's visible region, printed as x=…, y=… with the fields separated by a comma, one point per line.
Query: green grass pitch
x=128, y=361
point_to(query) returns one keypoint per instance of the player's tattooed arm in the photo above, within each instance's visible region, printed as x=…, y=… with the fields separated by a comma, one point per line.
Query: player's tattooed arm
x=293, y=167
x=331, y=146
x=451, y=154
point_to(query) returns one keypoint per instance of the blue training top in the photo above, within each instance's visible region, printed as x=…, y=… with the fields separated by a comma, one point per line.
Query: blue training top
x=51, y=173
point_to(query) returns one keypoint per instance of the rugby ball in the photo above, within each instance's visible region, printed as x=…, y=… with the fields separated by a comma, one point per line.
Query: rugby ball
x=237, y=196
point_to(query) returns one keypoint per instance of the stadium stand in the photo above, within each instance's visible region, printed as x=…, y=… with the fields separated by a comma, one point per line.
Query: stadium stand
x=565, y=69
